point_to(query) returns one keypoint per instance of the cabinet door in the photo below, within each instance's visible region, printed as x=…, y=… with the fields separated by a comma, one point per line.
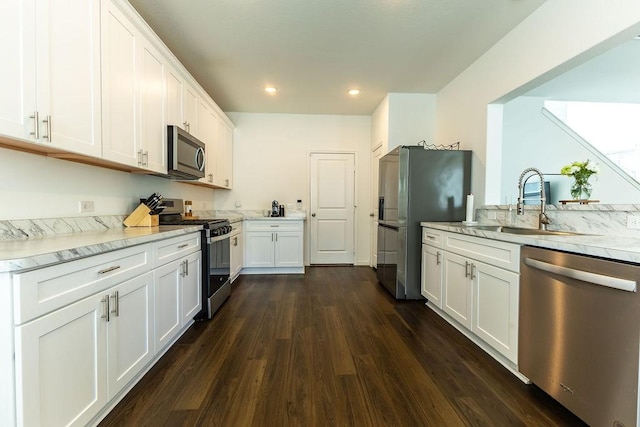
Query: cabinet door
x=208, y=133
x=167, y=303
x=432, y=275
x=18, y=70
x=153, y=129
x=130, y=330
x=288, y=249
x=457, y=288
x=61, y=366
x=173, y=100
x=236, y=256
x=120, y=135
x=227, y=139
x=190, y=108
x=68, y=74
x=191, y=291
x=259, y=249
x=495, y=308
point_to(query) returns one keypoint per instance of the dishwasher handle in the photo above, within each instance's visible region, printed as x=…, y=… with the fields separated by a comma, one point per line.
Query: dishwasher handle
x=584, y=276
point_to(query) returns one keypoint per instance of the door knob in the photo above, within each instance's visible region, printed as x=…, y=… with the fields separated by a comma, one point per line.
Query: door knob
x=313, y=214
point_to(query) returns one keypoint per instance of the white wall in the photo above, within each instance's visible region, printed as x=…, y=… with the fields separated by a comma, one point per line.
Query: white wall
x=530, y=139
x=411, y=118
x=557, y=36
x=271, y=161
x=34, y=186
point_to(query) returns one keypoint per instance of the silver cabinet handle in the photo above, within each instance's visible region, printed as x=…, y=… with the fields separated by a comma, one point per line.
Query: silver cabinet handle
x=272, y=237
x=47, y=121
x=585, y=276
x=226, y=182
x=210, y=177
x=183, y=269
x=116, y=304
x=183, y=246
x=145, y=158
x=235, y=241
x=105, y=302
x=276, y=237
x=313, y=214
x=438, y=254
x=429, y=236
x=466, y=269
x=473, y=271
x=140, y=157
x=371, y=215
x=36, y=125
x=186, y=126
x=275, y=225
x=186, y=267
x=110, y=269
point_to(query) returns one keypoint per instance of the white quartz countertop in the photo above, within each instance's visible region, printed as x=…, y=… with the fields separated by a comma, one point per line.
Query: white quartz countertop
x=619, y=248
x=24, y=254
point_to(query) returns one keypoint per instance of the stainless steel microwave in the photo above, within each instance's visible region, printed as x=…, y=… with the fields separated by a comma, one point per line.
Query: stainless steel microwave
x=186, y=156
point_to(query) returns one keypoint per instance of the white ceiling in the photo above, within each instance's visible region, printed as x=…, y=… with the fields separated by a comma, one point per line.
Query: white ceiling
x=313, y=51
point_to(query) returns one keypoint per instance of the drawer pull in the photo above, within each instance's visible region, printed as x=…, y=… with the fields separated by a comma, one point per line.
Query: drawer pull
x=110, y=269
x=429, y=236
x=183, y=246
x=275, y=225
x=438, y=254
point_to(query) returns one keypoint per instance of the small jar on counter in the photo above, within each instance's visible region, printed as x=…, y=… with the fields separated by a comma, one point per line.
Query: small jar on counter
x=188, y=210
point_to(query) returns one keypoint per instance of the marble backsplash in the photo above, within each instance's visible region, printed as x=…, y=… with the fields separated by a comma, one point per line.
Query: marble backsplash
x=589, y=219
x=38, y=228
x=597, y=219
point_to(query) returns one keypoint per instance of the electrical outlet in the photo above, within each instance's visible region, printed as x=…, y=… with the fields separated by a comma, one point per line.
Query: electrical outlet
x=86, y=206
x=500, y=215
x=633, y=221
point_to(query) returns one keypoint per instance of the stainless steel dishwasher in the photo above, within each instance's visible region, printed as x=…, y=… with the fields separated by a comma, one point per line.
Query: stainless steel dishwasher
x=579, y=333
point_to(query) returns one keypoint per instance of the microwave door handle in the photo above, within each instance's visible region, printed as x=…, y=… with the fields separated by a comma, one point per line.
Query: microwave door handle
x=200, y=158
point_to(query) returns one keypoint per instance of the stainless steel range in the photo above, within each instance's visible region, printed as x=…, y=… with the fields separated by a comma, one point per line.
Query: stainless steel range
x=216, y=266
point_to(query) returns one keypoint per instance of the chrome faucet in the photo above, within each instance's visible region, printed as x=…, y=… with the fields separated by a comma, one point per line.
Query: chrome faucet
x=543, y=218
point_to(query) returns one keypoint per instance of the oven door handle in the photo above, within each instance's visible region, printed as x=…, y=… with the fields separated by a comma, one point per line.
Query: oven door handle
x=214, y=239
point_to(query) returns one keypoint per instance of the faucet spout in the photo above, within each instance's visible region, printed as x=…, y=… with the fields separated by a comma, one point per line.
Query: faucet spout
x=543, y=218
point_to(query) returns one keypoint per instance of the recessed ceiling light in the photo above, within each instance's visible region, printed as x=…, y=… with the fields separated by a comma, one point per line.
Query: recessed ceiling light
x=353, y=92
x=271, y=90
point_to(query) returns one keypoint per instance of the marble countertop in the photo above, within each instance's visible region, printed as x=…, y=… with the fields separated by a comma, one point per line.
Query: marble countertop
x=35, y=252
x=619, y=248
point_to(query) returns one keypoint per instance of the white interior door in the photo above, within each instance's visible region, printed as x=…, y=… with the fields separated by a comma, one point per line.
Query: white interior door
x=376, y=154
x=332, y=208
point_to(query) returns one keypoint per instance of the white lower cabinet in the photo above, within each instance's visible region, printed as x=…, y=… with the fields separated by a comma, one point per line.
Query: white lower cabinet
x=61, y=366
x=237, y=251
x=480, y=286
x=432, y=279
x=75, y=356
x=273, y=246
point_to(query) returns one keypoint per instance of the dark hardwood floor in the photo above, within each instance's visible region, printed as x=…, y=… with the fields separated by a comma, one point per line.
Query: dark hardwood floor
x=330, y=347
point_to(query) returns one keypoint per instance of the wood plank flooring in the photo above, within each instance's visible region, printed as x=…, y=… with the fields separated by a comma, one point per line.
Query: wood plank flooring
x=330, y=347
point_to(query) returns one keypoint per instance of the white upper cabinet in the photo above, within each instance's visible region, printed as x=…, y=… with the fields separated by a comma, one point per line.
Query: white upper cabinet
x=133, y=80
x=50, y=79
x=190, y=109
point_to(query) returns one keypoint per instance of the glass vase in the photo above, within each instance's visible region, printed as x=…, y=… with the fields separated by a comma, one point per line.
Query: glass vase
x=581, y=190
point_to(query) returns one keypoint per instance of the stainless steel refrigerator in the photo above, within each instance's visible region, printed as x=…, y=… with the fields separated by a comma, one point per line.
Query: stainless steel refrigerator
x=416, y=185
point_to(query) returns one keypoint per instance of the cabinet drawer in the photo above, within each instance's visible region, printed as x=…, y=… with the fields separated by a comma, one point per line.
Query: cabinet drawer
x=41, y=291
x=236, y=228
x=275, y=225
x=500, y=254
x=432, y=237
x=174, y=248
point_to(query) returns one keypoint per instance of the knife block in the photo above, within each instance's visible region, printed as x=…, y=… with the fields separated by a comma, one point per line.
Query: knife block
x=140, y=217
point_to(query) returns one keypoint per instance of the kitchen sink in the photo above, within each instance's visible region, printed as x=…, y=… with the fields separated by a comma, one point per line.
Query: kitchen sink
x=525, y=231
